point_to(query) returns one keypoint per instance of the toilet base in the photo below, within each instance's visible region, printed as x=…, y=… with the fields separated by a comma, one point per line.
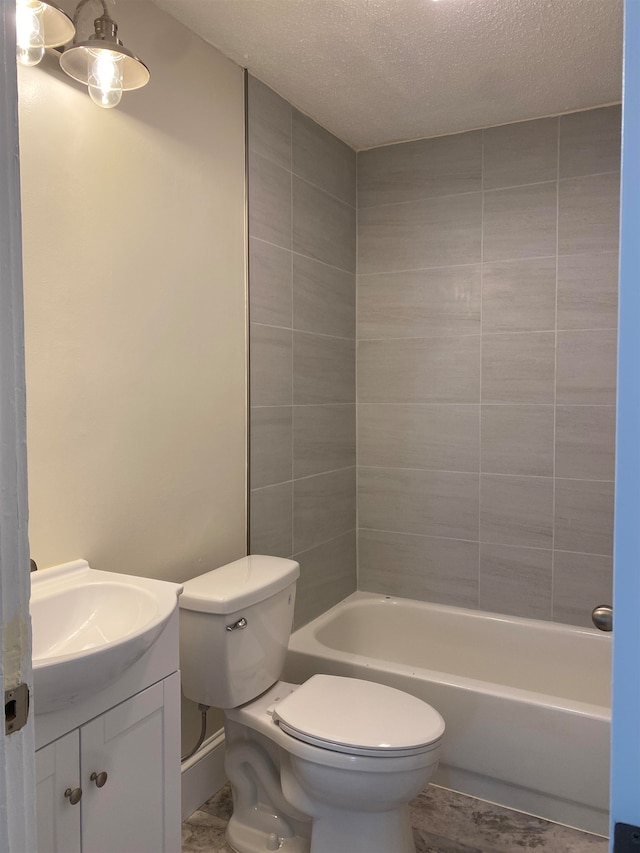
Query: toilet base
x=366, y=832
x=247, y=839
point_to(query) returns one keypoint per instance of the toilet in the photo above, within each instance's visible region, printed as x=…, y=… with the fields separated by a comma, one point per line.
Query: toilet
x=328, y=766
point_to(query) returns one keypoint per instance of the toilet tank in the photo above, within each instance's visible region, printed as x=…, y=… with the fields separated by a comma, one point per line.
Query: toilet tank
x=235, y=624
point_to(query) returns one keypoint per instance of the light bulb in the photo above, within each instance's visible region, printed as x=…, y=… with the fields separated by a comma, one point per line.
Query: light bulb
x=105, y=78
x=29, y=32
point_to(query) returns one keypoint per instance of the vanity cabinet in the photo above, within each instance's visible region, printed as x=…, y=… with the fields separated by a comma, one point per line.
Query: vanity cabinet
x=125, y=763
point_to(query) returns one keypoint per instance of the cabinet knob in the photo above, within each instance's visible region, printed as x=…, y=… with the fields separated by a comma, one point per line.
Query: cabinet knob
x=74, y=795
x=99, y=778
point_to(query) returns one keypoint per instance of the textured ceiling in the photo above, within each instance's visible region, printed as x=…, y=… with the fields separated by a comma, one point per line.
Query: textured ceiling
x=379, y=71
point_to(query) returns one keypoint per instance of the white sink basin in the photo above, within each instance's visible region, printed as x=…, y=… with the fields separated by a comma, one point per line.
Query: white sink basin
x=89, y=627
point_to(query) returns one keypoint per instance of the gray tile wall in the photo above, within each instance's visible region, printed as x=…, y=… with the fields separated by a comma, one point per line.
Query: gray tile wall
x=302, y=257
x=486, y=314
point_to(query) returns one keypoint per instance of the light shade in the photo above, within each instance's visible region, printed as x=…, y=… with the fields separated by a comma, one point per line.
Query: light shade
x=40, y=24
x=76, y=62
x=58, y=26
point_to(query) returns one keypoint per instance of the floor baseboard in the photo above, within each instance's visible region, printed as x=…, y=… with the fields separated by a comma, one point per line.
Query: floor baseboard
x=203, y=774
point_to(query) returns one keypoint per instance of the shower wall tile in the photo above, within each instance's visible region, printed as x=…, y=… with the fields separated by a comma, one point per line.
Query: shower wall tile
x=584, y=516
x=588, y=291
x=522, y=153
x=324, y=439
x=323, y=298
x=435, y=232
x=414, y=436
x=271, y=446
x=519, y=296
x=580, y=583
x=271, y=520
x=271, y=284
x=269, y=201
x=322, y=159
x=292, y=293
x=585, y=442
x=516, y=510
x=430, y=503
x=518, y=368
x=269, y=124
x=589, y=214
x=520, y=222
x=500, y=292
x=324, y=507
x=419, y=370
x=323, y=369
x=446, y=165
x=324, y=228
x=516, y=581
x=327, y=575
x=270, y=374
x=420, y=303
x=590, y=142
x=444, y=571
x=586, y=368
x=517, y=440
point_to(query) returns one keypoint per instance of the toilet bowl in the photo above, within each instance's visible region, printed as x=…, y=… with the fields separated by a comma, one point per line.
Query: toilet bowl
x=328, y=766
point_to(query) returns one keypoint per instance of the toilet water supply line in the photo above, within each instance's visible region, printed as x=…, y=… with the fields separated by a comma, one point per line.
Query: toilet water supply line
x=203, y=731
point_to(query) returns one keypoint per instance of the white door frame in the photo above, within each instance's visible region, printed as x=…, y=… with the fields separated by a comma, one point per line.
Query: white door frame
x=17, y=785
x=17, y=765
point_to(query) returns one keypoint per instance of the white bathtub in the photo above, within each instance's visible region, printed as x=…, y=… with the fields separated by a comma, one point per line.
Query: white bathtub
x=526, y=703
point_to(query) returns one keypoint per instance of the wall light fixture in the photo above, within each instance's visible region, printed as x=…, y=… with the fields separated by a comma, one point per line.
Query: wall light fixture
x=102, y=62
x=39, y=25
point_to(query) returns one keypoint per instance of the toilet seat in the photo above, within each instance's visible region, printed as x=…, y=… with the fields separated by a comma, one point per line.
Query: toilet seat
x=359, y=717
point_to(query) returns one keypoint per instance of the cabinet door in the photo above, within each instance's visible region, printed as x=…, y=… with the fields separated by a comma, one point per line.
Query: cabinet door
x=132, y=743
x=57, y=820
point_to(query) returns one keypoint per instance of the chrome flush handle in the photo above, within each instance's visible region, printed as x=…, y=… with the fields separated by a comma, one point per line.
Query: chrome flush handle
x=239, y=625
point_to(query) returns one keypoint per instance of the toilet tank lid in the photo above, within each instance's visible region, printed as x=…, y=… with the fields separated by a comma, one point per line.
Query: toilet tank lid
x=239, y=584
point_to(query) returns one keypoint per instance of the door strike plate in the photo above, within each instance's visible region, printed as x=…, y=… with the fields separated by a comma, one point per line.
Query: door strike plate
x=16, y=708
x=626, y=838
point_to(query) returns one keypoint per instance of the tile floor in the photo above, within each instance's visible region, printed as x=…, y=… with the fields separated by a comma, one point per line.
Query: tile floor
x=443, y=822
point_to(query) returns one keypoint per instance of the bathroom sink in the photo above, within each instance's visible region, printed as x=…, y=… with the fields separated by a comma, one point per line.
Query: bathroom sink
x=89, y=627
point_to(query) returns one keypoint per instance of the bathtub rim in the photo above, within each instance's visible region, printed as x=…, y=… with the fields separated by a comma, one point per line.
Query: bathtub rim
x=305, y=641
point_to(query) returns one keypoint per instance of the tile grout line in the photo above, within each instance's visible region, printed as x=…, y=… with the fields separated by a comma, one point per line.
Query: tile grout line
x=304, y=332
x=512, y=260
x=355, y=370
x=482, y=157
x=301, y=177
x=466, y=473
x=506, y=188
x=555, y=384
x=325, y=263
x=484, y=542
x=293, y=491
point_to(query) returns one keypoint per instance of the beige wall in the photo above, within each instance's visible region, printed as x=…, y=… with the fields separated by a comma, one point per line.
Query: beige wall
x=134, y=267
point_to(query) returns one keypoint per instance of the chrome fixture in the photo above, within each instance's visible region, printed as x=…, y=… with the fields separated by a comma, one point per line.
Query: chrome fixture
x=602, y=617
x=102, y=62
x=40, y=24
